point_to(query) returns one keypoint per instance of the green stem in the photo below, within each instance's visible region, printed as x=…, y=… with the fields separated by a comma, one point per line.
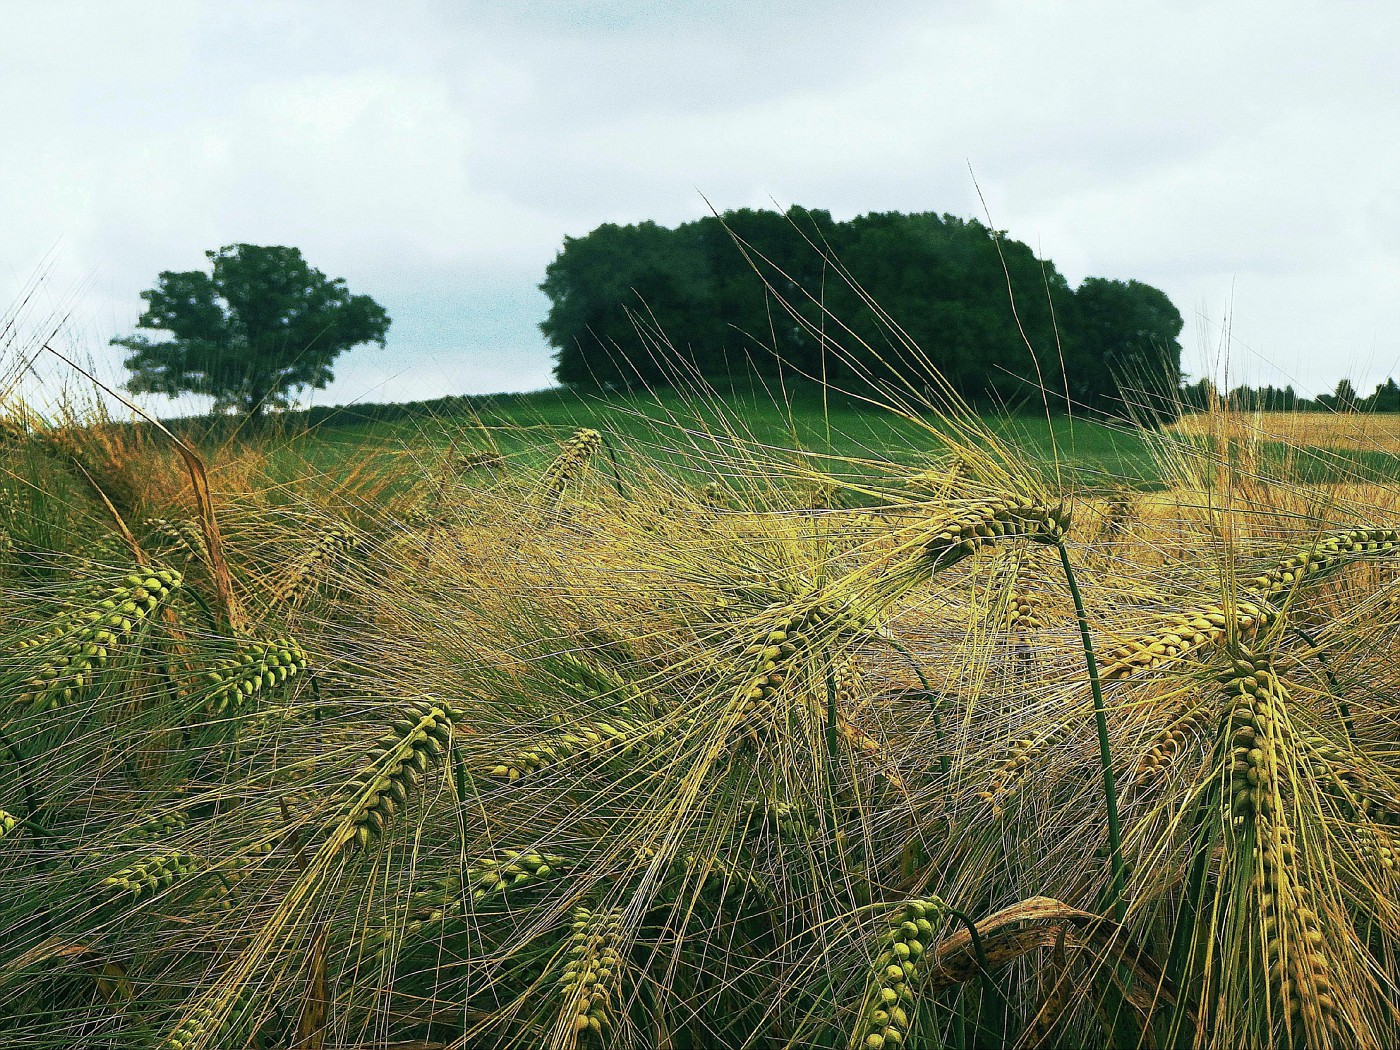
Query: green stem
x=18, y=759
x=836, y=848
x=203, y=606
x=929, y=694
x=1343, y=708
x=983, y=965
x=831, y=738
x=1110, y=789
x=616, y=472
x=1180, y=952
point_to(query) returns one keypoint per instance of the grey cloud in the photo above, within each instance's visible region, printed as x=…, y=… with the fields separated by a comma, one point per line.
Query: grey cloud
x=1240, y=155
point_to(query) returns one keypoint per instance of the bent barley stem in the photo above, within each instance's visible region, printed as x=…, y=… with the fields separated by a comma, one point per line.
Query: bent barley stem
x=929, y=694
x=1110, y=790
x=985, y=967
x=1343, y=708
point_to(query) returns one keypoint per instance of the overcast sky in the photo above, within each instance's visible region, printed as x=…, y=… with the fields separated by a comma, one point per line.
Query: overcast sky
x=1243, y=157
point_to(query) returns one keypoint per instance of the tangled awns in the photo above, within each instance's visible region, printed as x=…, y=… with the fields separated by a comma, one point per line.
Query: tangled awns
x=694, y=742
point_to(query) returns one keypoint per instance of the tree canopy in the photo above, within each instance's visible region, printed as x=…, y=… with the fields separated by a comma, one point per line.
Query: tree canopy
x=642, y=305
x=260, y=327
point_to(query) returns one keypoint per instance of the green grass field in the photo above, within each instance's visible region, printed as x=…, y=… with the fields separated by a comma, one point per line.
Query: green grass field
x=524, y=427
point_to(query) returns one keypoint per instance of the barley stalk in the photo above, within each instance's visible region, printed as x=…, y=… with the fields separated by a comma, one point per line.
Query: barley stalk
x=982, y=525
x=1013, y=768
x=480, y=880
x=814, y=623
x=198, y=1025
x=779, y=816
x=328, y=543
x=181, y=534
x=1186, y=633
x=155, y=828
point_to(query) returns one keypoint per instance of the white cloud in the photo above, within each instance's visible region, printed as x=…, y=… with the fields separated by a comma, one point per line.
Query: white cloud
x=1239, y=155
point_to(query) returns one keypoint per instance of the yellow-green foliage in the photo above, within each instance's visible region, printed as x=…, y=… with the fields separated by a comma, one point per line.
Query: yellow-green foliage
x=681, y=762
x=81, y=640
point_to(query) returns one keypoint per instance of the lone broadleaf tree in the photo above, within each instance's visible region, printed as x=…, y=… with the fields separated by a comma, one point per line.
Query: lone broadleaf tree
x=261, y=327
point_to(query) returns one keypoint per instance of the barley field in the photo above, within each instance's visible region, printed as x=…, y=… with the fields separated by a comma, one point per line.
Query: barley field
x=1362, y=431
x=674, y=735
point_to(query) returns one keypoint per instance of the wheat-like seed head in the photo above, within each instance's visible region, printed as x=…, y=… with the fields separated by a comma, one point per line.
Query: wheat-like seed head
x=1377, y=844
x=1186, y=633
x=1327, y=553
x=416, y=742
x=480, y=880
x=328, y=543
x=485, y=459
x=1190, y=719
x=903, y=947
x=573, y=456
x=1023, y=611
x=191, y=1029
x=147, y=877
x=155, y=828
x=590, y=977
x=1260, y=738
x=1013, y=768
x=964, y=533
x=82, y=639
x=179, y=534
x=259, y=666
x=613, y=738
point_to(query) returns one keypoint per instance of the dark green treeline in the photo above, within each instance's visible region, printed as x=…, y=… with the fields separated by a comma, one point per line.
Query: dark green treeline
x=619, y=291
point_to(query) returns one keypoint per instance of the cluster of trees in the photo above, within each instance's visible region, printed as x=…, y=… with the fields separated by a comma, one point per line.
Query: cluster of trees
x=944, y=280
x=1345, y=398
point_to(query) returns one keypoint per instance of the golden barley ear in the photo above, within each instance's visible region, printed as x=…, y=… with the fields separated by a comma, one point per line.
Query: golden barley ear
x=573, y=459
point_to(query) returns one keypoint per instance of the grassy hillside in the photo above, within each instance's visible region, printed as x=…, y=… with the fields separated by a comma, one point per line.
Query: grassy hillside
x=664, y=425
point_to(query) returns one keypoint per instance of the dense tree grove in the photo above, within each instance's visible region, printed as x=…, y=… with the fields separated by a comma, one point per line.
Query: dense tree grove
x=640, y=305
